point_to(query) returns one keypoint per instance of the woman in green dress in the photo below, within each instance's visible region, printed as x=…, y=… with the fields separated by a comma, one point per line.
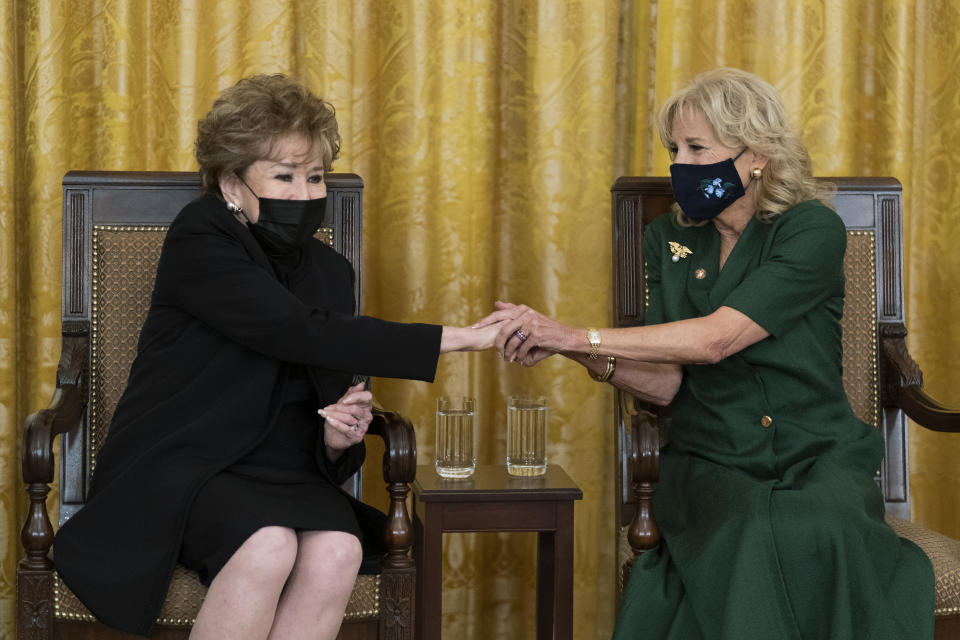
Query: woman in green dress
x=771, y=522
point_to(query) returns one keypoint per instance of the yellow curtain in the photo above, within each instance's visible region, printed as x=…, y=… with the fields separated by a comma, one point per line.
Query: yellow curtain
x=488, y=133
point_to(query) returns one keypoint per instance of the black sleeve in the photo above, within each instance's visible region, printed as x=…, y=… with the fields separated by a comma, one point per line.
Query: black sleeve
x=346, y=465
x=208, y=270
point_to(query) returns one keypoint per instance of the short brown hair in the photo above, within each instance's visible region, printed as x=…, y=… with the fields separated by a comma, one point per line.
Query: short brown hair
x=249, y=117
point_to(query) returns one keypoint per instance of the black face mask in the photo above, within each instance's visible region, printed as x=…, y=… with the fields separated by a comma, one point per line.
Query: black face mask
x=703, y=191
x=286, y=225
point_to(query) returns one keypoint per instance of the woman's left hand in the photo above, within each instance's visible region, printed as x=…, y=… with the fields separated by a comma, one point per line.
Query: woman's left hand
x=527, y=336
x=347, y=421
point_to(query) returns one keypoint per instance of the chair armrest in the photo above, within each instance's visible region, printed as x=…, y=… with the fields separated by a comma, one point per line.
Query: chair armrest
x=904, y=388
x=927, y=412
x=64, y=414
x=399, y=470
x=644, y=534
x=400, y=439
x=645, y=438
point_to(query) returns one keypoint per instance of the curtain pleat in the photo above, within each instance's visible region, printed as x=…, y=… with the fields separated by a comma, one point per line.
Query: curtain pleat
x=488, y=133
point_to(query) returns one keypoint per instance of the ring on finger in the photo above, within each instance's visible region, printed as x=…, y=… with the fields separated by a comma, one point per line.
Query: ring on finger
x=520, y=335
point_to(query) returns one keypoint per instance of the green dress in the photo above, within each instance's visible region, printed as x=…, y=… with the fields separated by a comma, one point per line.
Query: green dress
x=771, y=519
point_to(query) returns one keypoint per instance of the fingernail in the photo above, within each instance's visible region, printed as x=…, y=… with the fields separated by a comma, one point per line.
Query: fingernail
x=322, y=412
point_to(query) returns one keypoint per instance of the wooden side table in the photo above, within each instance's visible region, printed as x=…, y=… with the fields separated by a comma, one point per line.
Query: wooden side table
x=493, y=500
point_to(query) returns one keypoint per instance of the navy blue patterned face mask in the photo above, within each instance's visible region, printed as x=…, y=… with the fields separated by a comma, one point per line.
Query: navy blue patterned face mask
x=703, y=191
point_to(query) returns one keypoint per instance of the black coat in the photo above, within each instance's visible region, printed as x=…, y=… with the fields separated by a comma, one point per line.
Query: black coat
x=204, y=388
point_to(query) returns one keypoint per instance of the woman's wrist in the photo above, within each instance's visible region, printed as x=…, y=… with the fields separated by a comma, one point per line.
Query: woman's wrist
x=451, y=339
x=333, y=454
x=577, y=340
x=466, y=338
x=609, y=367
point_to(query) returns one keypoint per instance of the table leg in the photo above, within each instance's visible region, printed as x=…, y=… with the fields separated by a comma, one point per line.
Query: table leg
x=555, y=578
x=428, y=551
x=546, y=584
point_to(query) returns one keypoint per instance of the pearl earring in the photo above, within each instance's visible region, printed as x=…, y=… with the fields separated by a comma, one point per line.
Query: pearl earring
x=757, y=172
x=232, y=208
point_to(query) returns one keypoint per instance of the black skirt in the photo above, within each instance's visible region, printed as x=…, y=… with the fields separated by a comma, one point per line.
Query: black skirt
x=278, y=484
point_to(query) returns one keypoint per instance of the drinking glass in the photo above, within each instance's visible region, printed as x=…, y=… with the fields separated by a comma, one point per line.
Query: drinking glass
x=456, y=437
x=526, y=435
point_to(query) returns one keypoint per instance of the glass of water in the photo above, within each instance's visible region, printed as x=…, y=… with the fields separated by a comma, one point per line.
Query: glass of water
x=456, y=437
x=527, y=435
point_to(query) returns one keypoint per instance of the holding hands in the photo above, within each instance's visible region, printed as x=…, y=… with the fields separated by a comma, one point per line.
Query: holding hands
x=347, y=420
x=527, y=336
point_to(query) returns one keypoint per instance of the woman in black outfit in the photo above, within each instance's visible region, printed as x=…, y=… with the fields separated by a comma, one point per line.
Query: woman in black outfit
x=216, y=456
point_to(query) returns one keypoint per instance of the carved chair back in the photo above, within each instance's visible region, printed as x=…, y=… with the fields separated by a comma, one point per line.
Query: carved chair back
x=871, y=210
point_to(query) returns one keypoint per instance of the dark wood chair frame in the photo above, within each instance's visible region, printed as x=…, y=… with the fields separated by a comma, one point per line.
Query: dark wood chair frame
x=154, y=198
x=872, y=204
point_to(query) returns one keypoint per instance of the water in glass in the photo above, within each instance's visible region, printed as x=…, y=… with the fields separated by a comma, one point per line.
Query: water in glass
x=456, y=437
x=527, y=435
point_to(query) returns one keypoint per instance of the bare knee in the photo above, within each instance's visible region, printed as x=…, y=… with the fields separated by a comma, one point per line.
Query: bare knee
x=268, y=554
x=330, y=554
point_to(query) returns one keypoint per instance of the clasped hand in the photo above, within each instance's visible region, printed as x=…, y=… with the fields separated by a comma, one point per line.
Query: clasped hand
x=526, y=336
x=347, y=420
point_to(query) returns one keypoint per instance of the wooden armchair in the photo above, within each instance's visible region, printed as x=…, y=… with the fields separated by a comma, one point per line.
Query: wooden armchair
x=884, y=384
x=113, y=227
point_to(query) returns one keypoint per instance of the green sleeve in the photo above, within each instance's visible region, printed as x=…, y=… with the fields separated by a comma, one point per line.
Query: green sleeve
x=801, y=266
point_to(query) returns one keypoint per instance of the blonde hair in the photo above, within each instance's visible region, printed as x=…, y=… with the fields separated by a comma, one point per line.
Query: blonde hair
x=251, y=116
x=746, y=111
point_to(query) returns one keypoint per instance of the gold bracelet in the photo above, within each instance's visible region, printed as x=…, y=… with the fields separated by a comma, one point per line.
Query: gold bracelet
x=608, y=373
x=593, y=337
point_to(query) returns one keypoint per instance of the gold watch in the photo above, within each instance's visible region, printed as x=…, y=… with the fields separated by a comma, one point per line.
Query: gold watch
x=593, y=336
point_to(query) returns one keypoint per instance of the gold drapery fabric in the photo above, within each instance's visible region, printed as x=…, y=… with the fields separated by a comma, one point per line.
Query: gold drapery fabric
x=488, y=133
